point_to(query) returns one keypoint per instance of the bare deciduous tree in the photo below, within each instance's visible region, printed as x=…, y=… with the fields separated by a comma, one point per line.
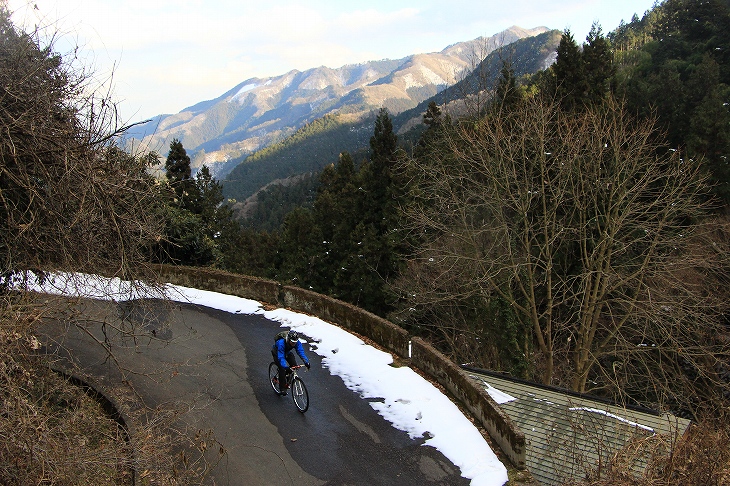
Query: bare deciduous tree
x=587, y=228
x=69, y=199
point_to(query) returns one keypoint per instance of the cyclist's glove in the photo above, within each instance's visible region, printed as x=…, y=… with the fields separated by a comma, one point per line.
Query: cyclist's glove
x=307, y=365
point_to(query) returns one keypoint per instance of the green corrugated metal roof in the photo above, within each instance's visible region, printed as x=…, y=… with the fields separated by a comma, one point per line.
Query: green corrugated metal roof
x=568, y=435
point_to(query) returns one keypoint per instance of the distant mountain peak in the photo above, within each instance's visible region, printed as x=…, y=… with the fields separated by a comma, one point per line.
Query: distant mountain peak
x=259, y=111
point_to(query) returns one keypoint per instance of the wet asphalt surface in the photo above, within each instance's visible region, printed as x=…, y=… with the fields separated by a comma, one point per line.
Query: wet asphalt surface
x=340, y=439
x=213, y=365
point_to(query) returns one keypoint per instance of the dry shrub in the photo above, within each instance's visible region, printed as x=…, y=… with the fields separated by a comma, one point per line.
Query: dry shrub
x=70, y=201
x=51, y=431
x=700, y=457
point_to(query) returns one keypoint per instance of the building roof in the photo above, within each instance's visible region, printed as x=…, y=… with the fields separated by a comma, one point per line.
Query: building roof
x=571, y=436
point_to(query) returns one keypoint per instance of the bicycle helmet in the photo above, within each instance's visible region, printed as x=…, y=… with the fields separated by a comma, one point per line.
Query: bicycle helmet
x=293, y=336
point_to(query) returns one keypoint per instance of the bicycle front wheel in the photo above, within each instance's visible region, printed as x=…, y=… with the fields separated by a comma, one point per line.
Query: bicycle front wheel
x=274, y=377
x=300, y=395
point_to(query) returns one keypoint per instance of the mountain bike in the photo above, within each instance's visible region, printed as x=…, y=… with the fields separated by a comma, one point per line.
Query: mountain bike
x=296, y=386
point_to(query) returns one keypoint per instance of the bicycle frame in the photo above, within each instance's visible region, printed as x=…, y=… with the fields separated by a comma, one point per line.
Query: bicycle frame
x=295, y=385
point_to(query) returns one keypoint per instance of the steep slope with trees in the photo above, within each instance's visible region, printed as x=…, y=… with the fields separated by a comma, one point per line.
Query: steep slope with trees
x=547, y=245
x=552, y=230
x=309, y=149
x=676, y=62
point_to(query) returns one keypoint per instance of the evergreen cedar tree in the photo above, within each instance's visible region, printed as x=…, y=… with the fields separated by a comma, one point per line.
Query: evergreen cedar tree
x=178, y=173
x=199, y=229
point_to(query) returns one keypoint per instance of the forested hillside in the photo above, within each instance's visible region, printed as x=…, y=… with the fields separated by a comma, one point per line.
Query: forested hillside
x=311, y=148
x=675, y=62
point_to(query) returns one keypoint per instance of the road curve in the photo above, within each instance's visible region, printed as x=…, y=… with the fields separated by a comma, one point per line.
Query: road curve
x=213, y=365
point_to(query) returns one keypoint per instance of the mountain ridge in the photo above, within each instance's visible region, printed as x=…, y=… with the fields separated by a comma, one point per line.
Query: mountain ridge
x=260, y=111
x=320, y=142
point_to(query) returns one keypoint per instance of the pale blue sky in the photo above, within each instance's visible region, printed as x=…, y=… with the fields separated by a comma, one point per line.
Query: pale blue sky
x=170, y=54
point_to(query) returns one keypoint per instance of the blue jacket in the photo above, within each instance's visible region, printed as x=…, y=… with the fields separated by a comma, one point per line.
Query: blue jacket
x=281, y=352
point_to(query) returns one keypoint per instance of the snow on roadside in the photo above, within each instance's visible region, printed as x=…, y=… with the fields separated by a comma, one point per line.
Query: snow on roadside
x=401, y=396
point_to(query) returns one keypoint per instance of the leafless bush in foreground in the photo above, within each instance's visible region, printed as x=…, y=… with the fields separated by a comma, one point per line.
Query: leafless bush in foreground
x=70, y=201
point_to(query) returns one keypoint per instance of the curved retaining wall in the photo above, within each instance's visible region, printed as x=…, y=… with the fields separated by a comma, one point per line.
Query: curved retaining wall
x=386, y=334
x=481, y=405
x=382, y=331
x=223, y=282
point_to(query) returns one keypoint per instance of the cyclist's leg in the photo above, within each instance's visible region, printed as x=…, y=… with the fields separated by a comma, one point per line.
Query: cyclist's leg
x=291, y=359
x=282, y=371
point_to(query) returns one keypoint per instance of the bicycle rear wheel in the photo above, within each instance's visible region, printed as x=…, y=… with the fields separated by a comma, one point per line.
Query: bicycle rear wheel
x=274, y=377
x=300, y=395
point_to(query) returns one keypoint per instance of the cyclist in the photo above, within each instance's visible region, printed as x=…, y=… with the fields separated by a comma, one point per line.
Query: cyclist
x=285, y=344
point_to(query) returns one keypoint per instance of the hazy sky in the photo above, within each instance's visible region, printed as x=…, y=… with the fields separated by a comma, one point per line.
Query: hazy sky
x=167, y=55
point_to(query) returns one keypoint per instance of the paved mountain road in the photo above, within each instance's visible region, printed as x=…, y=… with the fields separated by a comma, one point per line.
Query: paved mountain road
x=213, y=365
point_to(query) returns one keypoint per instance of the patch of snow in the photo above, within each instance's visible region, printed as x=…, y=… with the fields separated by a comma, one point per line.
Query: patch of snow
x=432, y=77
x=411, y=81
x=315, y=83
x=608, y=414
x=245, y=89
x=498, y=396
